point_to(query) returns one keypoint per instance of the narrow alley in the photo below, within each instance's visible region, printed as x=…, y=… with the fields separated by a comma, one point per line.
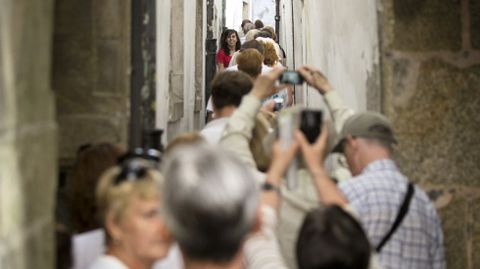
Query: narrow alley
x=139, y=74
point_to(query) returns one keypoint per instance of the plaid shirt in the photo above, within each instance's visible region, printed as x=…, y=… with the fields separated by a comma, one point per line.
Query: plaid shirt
x=376, y=195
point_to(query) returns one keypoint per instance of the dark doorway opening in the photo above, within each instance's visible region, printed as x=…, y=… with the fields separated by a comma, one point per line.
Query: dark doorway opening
x=143, y=87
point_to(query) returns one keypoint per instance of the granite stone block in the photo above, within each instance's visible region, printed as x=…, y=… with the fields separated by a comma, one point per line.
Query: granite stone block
x=422, y=25
x=453, y=219
x=475, y=23
x=73, y=16
x=29, y=176
x=76, y=131
x=27, y=143
x=476, y=251
x=91, y=77
x=108, y=18
x=401, y=69
x=39, y=255
x=475, y=210
x=108, y=67
x=438, y=127
x=72, y=61
x=39, y=177
x=74, y=76
x=29, y=72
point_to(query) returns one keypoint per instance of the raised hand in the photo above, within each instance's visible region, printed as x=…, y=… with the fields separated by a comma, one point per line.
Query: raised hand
x=315, y=78
x=314, y=157
x=264, y=85
x=313, y=154
x=281, y=158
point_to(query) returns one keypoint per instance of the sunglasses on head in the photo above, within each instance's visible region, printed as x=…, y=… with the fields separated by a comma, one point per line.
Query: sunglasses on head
x=135, y=164
x=146, y=154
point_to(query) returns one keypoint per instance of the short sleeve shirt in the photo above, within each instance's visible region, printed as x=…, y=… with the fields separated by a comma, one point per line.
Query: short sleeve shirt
x=223, y=58
x=376, y=195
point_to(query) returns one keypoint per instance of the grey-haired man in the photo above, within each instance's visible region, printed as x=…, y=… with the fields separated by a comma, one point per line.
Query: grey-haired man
x=377, y=192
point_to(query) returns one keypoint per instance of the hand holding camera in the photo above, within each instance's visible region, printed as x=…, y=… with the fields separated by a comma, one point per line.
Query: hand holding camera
x=265, y=84
x=309, y=122
x=315, y=78
x=313, y=154
x=291, y=77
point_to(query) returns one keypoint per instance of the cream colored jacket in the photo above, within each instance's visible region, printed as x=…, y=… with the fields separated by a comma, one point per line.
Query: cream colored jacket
x=296, y=203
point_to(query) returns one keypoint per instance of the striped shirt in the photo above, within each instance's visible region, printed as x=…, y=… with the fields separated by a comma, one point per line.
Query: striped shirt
x=376, y=195
x=262, y=250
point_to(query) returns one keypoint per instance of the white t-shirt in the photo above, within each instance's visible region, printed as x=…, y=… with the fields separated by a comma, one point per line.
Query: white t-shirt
x=172, y=261
x=111, y=262
x=212, y=132
x=89, y=248
x=265, y=68
x=108, y=262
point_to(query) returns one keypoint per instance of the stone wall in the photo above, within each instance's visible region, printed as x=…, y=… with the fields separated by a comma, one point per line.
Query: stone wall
x=27, y=135
x=91, y=72
x=431, y=77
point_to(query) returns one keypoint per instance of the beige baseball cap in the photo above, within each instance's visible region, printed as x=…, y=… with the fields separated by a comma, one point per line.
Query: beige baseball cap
x=368, y=125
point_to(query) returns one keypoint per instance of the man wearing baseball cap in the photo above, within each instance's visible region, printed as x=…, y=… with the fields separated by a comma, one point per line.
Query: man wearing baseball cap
x=399, y=218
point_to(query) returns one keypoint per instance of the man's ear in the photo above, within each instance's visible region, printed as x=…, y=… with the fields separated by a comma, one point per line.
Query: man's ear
x=257, y=225
x=113, y=227
x=352, y=141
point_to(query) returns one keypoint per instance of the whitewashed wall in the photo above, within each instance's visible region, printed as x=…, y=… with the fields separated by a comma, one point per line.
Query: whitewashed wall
x=264, y=10
x=292, y=38
x=186, y=25
x=218, y=17
x=341, y=38
x=233, y=14
x=163, y=64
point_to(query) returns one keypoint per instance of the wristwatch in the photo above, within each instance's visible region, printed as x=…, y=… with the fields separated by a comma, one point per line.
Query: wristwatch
x=267, y=186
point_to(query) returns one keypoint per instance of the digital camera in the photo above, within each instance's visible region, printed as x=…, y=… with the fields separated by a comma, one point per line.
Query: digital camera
x=291, y=77
x=307, y=120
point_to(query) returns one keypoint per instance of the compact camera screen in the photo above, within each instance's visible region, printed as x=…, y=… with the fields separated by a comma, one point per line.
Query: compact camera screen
x=291, y=77
x=311, y=124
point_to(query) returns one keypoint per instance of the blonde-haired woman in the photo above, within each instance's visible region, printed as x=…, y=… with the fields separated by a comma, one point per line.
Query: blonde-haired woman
x=128, y=198
x=270, y=55
x=271, y=59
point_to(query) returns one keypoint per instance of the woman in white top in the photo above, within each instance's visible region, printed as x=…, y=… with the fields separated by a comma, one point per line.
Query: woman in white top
x=129, y=203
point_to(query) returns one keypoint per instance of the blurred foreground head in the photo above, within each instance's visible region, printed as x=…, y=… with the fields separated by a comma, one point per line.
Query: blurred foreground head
x=250, y=61
x=128, y=199
x=91, y=162
x=331, y=238
x=211, y=202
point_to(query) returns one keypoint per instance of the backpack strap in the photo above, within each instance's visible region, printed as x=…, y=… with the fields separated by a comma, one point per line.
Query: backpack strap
x=400, y=216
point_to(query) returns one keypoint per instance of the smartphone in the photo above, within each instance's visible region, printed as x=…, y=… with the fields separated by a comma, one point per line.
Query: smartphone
x=287, y=123
x=311, y=124
x=278, y=104
x=291, y=77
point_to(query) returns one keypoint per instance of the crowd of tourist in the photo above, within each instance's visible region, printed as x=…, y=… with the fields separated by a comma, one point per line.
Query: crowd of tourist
x=217, y=198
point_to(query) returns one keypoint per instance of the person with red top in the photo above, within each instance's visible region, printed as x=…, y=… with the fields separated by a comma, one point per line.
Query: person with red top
x=230, y=43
